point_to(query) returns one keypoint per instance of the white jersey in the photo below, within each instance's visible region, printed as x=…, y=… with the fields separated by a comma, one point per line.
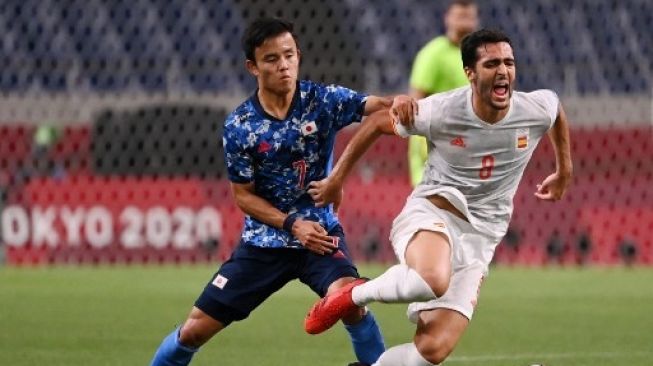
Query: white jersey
x=476, y=165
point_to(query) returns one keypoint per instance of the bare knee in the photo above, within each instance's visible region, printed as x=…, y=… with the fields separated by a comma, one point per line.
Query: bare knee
x=198, y=329
x=434, y=348
x=438, y=279
x=429, y=255
x=354, y=317
x=339, y=283
x=191, y=335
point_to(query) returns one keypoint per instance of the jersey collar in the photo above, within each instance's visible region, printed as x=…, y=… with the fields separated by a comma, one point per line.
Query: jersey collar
x=259, y=108
x=474, y=116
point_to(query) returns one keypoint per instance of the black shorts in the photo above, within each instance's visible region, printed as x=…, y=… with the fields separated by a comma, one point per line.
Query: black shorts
x=252, y=274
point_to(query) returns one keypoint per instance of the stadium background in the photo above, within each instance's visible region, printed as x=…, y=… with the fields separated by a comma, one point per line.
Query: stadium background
x=110, y=157
x=111, y=115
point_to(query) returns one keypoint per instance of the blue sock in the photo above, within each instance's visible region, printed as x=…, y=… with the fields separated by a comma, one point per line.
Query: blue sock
x=173, y=353
x=366, y=339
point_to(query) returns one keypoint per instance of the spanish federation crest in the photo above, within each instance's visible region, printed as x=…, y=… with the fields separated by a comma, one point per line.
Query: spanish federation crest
x=521, y=138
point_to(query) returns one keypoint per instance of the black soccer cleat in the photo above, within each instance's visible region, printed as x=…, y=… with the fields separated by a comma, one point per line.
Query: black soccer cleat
x=358, y=364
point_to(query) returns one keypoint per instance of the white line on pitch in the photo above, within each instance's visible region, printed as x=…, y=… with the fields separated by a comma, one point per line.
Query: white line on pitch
x=535, y=356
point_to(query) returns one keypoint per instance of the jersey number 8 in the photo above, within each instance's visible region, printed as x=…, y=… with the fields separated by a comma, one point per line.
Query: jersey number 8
x=487, y=164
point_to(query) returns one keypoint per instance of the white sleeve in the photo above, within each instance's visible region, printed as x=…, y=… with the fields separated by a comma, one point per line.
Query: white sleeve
x=422, y=125
x=551, y=103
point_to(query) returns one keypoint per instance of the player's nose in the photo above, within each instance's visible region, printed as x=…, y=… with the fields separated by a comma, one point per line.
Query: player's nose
x=502, y=69
x=283, y=64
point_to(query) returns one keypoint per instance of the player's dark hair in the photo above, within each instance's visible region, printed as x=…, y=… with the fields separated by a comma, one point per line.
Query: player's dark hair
x=260, y=30
x=470, y=44
x=463, y=3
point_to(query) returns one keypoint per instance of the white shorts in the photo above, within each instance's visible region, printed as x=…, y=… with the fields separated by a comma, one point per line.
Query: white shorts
x=471, y=253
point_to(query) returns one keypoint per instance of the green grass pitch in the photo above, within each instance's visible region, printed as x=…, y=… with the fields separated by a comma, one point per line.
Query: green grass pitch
x=117, y=316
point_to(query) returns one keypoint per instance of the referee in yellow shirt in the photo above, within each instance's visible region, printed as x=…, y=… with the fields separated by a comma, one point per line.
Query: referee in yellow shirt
x=438, y=67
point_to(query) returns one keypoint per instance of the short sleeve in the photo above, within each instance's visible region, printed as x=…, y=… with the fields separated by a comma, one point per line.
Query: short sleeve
x=549, y=100
x=239, y=161
x=423, y=120
x=346, y=105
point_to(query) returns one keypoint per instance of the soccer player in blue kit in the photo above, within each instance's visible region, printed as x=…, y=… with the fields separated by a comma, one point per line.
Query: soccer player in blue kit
x=276, y=143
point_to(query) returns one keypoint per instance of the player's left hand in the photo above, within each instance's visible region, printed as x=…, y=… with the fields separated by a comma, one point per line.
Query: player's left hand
x=403, y=110
x=553, y=187
x=324, y=192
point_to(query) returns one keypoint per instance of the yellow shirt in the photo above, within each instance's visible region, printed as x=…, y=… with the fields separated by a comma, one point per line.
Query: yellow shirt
x=438, y=67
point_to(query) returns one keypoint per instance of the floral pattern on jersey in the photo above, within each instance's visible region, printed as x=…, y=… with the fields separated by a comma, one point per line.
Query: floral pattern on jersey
x=281, y=157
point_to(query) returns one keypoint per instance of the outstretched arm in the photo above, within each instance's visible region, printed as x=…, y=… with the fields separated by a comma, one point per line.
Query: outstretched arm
x=397, y=104
x=329, y=189
x=374, y=104
x=555, y=185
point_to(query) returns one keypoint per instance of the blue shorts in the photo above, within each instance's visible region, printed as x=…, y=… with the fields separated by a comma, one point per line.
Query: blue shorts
x=252, y=274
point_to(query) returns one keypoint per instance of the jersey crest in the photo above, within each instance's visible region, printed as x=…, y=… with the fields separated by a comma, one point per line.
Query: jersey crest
x=522, y=138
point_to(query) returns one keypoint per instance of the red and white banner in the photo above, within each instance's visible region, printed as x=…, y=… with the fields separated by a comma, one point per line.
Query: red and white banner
x=111, y=219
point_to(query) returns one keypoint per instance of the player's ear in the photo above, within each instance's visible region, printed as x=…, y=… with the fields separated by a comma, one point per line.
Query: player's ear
x=471, y=74
x=251, y=67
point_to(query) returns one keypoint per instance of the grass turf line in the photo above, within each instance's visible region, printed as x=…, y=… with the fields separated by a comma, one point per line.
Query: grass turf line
x=118, y=315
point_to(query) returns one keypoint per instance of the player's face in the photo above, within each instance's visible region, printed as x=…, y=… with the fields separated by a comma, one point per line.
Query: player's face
x=493, y=75
x=277, y=64
x=462, y=20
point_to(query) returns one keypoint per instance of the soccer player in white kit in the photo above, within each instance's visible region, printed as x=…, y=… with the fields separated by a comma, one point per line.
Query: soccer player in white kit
x=480, y=138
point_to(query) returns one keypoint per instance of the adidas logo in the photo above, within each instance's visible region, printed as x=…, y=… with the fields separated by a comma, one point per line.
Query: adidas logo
x=458, y=141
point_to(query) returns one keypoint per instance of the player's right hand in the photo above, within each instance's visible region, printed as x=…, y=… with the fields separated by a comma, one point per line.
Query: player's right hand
x=553, y=187
x=324, y=192
x=403, y=110
x=314, y=237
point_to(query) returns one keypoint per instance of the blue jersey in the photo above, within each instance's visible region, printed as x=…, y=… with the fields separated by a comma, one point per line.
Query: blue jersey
x=282, y=156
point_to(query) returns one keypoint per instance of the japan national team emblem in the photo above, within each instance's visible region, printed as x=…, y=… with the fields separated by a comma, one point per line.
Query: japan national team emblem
x=522, y=138
x=309, y=128
x=220, y=281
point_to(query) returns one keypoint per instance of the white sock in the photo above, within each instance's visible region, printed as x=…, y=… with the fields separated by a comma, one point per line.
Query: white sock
x=402, y=355
x=399, y=284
